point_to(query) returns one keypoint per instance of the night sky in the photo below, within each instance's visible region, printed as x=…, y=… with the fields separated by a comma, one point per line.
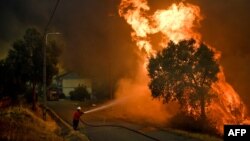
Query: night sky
x=97, y=41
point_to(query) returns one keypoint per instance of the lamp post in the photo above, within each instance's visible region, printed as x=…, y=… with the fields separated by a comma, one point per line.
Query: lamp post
x=44, y=72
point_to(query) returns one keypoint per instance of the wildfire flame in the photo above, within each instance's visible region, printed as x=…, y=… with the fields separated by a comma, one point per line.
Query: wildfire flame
x=228, y=107
x=178, y=22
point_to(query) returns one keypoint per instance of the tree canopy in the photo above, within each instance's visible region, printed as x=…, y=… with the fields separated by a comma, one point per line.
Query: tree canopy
x=183, y=72
x=24, y=63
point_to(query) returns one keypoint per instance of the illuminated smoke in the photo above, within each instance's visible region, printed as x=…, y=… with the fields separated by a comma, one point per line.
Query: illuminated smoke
x=140, y=106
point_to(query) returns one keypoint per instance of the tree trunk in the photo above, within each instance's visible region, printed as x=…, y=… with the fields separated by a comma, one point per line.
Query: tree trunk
x=33, y=96
x=203, y=104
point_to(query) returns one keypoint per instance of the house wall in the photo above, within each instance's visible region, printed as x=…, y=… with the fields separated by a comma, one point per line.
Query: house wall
x=69, y=85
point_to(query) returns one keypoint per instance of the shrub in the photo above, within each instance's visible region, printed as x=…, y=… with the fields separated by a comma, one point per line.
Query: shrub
x=80, y=93
x=62, y=96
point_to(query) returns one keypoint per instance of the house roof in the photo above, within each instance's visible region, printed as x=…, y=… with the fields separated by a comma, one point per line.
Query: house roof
x=69, y=75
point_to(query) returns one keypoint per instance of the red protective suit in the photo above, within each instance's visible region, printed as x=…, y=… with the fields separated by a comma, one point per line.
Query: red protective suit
x=76, y=118
x=77, y=115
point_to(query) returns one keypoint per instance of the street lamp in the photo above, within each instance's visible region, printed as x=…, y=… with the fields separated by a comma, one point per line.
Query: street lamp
x=44, y=71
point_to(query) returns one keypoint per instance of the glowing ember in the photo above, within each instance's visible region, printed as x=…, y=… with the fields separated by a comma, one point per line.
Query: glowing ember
x=176, y=23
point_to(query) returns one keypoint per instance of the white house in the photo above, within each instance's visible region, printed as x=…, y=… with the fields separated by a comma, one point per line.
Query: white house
x=67, y=82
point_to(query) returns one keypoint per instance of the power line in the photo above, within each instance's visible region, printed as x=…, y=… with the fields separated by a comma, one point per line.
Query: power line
x=51, y=17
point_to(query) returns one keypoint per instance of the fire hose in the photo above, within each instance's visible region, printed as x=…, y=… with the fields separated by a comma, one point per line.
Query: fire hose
x=119, y=126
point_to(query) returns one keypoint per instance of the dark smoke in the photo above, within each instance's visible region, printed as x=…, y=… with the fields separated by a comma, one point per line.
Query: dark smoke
x=98, y=42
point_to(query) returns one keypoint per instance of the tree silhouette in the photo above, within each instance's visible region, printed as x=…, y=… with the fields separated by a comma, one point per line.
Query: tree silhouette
x=184, y=73
x=24, y=62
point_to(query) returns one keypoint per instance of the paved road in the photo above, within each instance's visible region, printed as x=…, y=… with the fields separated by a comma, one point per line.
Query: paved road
x=66, y=108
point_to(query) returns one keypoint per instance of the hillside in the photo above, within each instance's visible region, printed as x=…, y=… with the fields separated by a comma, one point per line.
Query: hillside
x=20, y=123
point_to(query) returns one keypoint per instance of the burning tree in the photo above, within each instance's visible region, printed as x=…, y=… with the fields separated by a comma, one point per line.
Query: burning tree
x=185, y=73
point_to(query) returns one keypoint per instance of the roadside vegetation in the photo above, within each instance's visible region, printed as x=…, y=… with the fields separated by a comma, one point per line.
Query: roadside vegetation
x=21, y=74
x=20, y=123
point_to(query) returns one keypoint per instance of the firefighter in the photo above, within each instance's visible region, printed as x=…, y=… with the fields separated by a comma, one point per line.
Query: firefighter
x=76, y=117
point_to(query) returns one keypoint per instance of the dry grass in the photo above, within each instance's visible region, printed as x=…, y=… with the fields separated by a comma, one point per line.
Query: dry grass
x=19, y=123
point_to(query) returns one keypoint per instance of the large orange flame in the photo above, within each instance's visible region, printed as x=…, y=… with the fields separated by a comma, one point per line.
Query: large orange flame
x=178, y=22
x=228, y=107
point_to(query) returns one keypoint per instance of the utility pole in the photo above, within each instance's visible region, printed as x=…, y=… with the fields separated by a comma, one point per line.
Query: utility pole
x=44, y=73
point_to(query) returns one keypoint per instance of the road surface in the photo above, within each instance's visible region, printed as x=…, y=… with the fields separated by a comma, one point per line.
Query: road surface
x=65, y=109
